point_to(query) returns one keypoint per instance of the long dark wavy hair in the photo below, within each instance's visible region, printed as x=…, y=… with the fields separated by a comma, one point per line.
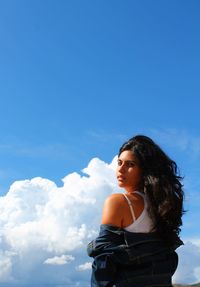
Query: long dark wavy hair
x=162, y=184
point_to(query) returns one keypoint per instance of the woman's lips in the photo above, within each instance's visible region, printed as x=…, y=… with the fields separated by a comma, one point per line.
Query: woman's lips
x=120, y=178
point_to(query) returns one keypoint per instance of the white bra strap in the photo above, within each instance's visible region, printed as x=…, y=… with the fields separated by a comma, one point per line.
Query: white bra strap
x=131, y=207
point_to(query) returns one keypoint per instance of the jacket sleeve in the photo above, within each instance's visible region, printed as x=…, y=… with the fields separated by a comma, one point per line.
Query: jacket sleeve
x=102, y=249
x=104, y=270
x=106, y=242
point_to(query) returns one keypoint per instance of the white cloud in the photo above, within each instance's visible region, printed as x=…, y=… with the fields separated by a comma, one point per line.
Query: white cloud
x=188, y=270
x=59, y=260
x=85, y=266
x=5, y=266
x=41, y=223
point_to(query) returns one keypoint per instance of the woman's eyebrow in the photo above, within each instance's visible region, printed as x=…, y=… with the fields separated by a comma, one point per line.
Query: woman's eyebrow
x=133, y=161
x=129, y=161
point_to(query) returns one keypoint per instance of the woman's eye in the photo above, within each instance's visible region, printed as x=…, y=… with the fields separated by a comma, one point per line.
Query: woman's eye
x=131, y=164
x=119, y=162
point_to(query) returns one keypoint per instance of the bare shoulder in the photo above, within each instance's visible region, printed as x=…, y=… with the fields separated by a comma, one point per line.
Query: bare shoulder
x=115, y=197
x=115, y=200
x=113, y=209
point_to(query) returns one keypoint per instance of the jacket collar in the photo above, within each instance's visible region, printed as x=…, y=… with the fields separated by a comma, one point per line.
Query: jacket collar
x=133, y=238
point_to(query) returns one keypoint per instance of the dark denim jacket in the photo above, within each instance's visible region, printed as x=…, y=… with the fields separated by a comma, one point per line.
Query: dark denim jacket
x=126, y=259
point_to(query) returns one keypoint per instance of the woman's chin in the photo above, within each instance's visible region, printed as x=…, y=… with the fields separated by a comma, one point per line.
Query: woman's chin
x=121, y=184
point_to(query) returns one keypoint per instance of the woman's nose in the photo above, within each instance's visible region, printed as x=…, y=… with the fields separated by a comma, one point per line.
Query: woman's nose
x=121, y=168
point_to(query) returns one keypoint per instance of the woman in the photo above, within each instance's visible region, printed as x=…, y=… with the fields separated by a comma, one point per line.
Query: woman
x=140, y=227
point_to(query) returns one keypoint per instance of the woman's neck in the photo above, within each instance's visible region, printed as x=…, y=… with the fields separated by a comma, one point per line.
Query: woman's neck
x=130, y=190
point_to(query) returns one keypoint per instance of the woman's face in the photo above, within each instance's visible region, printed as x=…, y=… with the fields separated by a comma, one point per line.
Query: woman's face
x=128, y=173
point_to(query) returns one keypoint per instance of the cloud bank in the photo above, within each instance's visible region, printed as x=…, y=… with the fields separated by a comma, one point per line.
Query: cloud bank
x=44, y=230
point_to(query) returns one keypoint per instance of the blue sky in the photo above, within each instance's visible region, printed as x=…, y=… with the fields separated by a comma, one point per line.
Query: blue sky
x=73, y=69
x=78, y=78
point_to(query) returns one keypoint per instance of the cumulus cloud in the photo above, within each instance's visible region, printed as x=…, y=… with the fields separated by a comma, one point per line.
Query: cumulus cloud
x=5, y=266
x=44, y=230
x=59, y=260
x=188, y=270
x=85, y=266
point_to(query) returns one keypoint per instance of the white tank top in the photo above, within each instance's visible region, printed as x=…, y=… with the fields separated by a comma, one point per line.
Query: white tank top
x=143, y=223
